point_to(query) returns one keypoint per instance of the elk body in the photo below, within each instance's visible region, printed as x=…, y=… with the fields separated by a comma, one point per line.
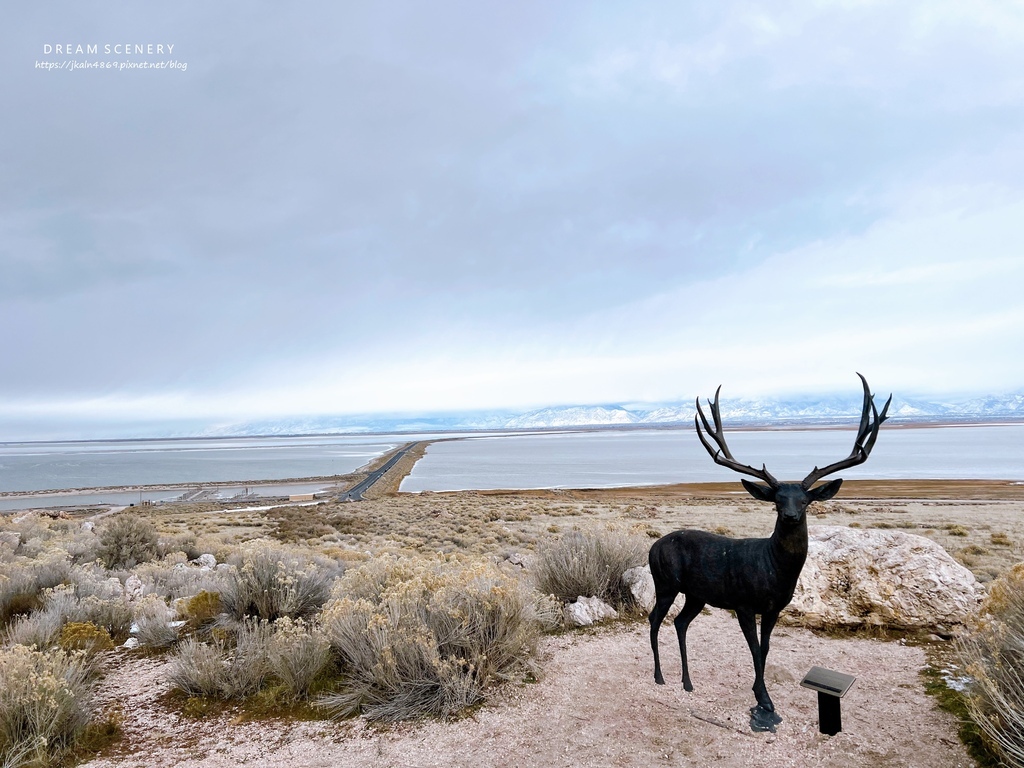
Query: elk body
x=753, y=577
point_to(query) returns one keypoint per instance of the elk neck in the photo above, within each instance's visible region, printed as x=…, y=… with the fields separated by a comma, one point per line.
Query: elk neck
x=788, y=544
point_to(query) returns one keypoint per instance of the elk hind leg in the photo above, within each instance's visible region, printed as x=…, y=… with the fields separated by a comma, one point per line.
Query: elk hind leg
x=690, y=610
x=662, y=604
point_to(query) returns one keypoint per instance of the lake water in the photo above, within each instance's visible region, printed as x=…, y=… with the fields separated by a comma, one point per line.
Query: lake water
x=593, y=459
x=50, y=466
x=651, y=457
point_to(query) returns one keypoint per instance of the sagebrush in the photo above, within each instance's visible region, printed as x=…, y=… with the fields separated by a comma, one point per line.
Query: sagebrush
x=428, y=636
x=270, y=582
x=993, y=655
x=44, y=704
x=126, y=541
x=589, y=564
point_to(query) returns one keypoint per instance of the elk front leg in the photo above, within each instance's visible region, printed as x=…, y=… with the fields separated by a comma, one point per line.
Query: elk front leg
x=748, y=624
x=767, y=625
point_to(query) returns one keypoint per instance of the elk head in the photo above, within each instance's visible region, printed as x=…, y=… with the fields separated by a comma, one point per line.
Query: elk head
x=792, y=499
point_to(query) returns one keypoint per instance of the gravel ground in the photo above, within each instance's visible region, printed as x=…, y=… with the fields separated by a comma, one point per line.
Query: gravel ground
x=596, y=705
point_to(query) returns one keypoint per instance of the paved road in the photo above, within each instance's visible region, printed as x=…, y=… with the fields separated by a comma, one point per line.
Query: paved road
x=355, y=493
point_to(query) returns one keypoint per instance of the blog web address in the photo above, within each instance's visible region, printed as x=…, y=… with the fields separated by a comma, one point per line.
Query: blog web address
x=73, y=65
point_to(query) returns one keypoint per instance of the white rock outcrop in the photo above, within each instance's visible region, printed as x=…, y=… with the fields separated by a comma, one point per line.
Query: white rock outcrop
x=640, y=584
x=206, y=561
x=864, y=577
x=586, y=611
x=134, y=589
x=871, y=577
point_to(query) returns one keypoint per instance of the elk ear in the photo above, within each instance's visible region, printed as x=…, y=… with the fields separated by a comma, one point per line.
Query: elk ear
x=760, y=492
x=826, y=491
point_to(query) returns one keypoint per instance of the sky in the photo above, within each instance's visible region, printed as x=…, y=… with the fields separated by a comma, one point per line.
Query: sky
x=336, y=207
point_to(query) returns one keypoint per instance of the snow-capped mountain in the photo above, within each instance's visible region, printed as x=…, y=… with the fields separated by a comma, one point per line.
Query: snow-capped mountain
x=574, y=416
x=807, y=410
x=768, y=411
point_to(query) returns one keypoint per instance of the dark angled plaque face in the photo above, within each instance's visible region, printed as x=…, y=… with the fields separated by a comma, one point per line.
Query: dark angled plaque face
x=827, y=681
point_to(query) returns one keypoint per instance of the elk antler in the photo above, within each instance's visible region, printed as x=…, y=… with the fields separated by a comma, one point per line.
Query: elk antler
x=722, y=455
x=870, y=421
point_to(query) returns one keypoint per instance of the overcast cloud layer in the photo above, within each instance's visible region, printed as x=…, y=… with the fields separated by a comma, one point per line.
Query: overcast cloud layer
x=357, y=207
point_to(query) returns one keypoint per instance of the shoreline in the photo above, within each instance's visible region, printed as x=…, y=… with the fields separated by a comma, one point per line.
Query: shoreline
x=903, y=488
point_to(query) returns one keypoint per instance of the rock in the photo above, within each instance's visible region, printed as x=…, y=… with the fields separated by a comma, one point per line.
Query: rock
x=518, y=558
x=224, y=567
x=205, y=561
x=10, y=540
x=588, y=610
x=134, y=589
x=112, y=588
x=131, y=642
x=88, y=526
x=870, y=577
x=641, y=586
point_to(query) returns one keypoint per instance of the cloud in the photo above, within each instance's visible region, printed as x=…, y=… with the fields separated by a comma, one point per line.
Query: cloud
x=406, y=206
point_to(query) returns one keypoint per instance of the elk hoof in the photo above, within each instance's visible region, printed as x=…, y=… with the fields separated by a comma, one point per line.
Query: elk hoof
x=687, y=686
x=659, y=679
x=762, y=719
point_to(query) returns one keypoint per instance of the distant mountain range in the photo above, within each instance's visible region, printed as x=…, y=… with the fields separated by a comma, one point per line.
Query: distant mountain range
x=806, y=411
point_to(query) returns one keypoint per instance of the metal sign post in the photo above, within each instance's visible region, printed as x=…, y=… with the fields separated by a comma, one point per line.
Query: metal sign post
x=831, y=687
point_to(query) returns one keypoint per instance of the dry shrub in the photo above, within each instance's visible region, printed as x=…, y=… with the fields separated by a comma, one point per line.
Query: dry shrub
x=84, y=636
x=126, y=541
x=114, y=615
x=1000, y=539
x=22, y=585
x=272, y=582
x=299, y=655
x=993, y=655
x=172, y=580
x=427, y=636
x=41, y=627
x=224, y=669
x=153, y=618
x=202, y=609
x=43, y=704
x=184, y=543
x=589, y=564
x=295, y=524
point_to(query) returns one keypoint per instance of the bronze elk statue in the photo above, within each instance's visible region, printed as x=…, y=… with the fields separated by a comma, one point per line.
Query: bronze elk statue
x=749, y=576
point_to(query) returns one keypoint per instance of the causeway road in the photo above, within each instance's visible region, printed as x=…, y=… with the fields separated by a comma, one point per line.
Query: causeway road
x=355, y=493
